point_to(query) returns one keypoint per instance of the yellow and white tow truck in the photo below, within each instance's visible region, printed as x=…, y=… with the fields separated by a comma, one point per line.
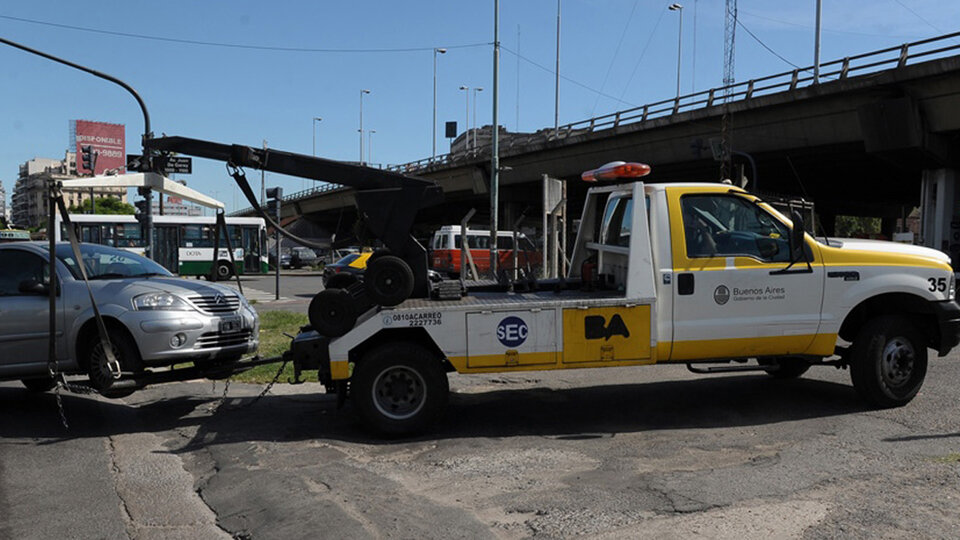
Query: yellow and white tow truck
x=694, y=273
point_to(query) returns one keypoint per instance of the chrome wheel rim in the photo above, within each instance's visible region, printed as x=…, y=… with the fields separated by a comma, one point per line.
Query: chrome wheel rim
x=897, y=361
x=399, y=392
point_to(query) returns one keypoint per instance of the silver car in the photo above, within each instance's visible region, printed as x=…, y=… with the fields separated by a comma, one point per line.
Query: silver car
x=153, y=317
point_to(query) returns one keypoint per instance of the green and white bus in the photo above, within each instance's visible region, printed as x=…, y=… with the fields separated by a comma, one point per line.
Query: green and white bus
x=182, y=244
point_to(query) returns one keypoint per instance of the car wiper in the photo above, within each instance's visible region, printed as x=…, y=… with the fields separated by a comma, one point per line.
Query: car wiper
x=108, y=275
x=148, y=274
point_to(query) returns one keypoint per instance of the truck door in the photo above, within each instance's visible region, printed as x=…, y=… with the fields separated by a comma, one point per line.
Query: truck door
x=728, y=298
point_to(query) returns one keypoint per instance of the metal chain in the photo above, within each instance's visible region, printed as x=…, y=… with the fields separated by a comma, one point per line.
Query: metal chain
x=215, y=406
x=270, y=385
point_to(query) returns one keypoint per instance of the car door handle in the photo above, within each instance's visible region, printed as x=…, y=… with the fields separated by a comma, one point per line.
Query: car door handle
x=685, y=284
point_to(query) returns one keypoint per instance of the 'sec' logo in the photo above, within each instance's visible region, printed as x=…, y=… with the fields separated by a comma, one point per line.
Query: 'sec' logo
x=596, y=327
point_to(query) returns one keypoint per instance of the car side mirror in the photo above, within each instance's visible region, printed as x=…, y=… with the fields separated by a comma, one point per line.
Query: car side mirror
x=32, y=286
x=797, y=252
x=767, y=247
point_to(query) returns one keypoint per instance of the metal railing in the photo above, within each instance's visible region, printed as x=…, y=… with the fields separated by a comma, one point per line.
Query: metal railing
x=836, y=70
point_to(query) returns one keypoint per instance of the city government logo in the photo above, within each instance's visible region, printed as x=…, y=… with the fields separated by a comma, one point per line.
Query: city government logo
x=721, y=295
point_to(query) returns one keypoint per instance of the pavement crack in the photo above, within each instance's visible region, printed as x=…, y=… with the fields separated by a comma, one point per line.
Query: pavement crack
x=116, y=472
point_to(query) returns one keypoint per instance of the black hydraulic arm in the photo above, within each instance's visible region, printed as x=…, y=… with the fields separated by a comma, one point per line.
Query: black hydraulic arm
x=386, y=201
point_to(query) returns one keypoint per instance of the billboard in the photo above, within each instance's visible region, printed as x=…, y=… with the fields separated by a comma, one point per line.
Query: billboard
x=108, y=142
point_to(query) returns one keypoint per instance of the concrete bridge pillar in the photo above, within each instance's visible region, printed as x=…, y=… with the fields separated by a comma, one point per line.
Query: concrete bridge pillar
x=940, y=211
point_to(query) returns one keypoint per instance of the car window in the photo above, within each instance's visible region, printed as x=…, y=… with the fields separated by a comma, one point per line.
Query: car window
x=617, y=221
x=16, y=266
x=727, y=225
x=107, y=262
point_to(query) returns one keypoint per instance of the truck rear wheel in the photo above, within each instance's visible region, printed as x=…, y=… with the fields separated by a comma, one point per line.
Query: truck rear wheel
x=332, y=312
x=399, y=389
x=888, y=362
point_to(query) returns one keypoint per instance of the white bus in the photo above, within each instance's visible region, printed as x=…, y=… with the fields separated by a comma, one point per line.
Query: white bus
x=182, y=244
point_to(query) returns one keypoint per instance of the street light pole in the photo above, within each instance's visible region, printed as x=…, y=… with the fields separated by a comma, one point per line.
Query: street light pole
x=466, y=119
x=474, y=123
x=678, y=7
x=370, y=133
x=556, y=83
x=816, y=47
x=313, y=129
x=433, y=126
x=362, y=92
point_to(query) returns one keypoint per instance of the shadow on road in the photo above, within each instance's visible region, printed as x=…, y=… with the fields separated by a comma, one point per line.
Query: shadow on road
x=570, y=413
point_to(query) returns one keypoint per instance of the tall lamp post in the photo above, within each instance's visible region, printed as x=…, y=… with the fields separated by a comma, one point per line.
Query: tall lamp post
x=474, y=123
x=370, y=133
x=466, y=120
x=433, y=126
x=314, y=130
x=678, y=7
x=362, y=92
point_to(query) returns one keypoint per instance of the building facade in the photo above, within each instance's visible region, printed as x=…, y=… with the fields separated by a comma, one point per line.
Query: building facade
x=29, y=202
x=3, y=203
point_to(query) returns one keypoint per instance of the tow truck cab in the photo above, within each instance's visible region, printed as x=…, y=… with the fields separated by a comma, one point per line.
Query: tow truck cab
x=702, y=274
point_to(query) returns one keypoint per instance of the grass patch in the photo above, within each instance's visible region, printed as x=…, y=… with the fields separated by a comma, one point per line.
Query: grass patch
x=273, y=343
x=949, y=458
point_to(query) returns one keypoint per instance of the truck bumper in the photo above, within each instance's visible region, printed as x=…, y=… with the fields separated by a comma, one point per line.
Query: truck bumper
x=948, y=319
x=309, y=351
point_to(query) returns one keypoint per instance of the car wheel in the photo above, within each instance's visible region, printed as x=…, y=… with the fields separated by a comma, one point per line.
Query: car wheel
x=39, y=385
x=388, y=280
x=888, y=361
x=785, y=367
x=125, y=351
x=399, y=389
x=340, y=281
x=332, y=312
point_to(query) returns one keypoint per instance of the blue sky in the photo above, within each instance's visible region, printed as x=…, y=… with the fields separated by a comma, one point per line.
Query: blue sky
x=615, y=54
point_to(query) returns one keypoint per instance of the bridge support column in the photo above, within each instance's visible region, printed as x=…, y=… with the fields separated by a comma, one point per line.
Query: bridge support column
x=940, y=228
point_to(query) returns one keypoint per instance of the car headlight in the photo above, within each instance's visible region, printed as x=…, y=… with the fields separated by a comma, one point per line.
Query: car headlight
x=160, y=301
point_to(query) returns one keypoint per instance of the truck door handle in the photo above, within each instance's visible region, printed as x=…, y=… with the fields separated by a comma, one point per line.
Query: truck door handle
x=684, y=284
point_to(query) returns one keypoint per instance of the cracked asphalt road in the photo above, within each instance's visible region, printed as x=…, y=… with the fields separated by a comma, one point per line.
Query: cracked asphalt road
x=650, y=452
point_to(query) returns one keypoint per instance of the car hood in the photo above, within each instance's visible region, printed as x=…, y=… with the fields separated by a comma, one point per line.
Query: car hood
x=135, y=286
x=881, y=252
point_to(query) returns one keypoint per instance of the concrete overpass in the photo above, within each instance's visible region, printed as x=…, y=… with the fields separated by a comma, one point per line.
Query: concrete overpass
x=858, y=142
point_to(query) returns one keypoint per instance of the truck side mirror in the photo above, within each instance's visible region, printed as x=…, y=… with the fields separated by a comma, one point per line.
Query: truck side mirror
x=797, y=252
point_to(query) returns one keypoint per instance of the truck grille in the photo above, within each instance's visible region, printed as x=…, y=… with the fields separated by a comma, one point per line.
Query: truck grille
x=216, y=303
x=211, y=340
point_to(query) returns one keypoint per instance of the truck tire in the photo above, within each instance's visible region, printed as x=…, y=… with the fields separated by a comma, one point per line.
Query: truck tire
x=399, y=389
x=340, y=281
x=785, y=367
x=888, y=361
x=388, y=280
x=332, y=312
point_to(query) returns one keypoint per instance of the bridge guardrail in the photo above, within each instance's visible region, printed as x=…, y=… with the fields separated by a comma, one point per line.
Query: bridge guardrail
x=879, y=60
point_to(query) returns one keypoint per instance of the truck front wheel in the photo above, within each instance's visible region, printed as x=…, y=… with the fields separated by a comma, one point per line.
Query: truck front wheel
x=399, y=389
x=888, y=361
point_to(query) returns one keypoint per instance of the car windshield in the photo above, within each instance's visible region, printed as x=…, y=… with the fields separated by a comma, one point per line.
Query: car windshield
x=104, y=262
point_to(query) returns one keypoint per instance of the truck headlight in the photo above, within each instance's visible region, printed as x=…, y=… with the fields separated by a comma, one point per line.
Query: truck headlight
x=952, y=291
x=160, y=301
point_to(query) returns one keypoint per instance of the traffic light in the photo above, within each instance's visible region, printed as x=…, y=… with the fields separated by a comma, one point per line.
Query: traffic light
x=275, y=193
x=89, y=158
x=141, y=206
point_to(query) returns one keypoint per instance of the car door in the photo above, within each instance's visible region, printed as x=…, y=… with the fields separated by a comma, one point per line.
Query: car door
x=24, y=319
x=733, y=295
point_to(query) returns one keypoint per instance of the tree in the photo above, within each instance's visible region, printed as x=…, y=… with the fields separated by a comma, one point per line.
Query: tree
x=105, y=205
